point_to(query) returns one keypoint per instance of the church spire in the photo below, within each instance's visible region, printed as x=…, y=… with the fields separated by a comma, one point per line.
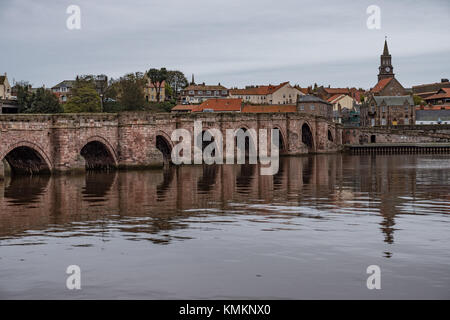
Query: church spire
x=385, y=69
x=192, y=82
x=386, y=50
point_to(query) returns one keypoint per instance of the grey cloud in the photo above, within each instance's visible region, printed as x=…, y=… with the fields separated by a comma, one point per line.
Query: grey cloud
x=236, y=42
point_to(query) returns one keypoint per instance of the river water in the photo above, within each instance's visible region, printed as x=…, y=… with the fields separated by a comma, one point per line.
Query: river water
x=226, y=232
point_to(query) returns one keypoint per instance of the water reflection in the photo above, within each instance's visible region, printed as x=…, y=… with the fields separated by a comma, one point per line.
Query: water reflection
x=310, y=231
x=147, y=204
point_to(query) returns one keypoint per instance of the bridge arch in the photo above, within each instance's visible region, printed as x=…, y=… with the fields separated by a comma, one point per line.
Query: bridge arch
x=27, y=158
x=307, y=136
x=163, y=143
x=98, y=154
x=330, y=136
x=281, y=139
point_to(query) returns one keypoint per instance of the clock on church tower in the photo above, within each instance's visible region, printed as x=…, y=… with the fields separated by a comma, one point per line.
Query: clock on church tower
x=385, y=69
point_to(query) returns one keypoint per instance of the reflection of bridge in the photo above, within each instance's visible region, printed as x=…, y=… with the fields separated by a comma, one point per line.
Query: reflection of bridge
x=63, y=142
x=302, y=183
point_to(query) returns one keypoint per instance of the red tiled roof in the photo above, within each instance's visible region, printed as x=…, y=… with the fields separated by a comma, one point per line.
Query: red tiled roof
x=337, y=90
x=269, y=108
x=205, y=87
x=219, y=105
x=440, y=94
x=334, y=97
x=434, y=107
x=259, y=90
x=182, y=107
x=381, y=84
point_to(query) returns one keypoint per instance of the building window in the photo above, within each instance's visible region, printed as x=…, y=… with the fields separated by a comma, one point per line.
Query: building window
x=383, y=108
x=224, y=91
x=200, y=92
x=302, y=107
x=311, y=107
x=216, y=92
x=383, y=121
x=208, y=93
x=191, y=91
x=372, y=122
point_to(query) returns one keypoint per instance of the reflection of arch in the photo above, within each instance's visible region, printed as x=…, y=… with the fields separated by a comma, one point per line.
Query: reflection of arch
x=281, y=139
x=247, y=140
x=244, y=178
x=163, y=144
x=97, y=186
x=26, y=190
x=330, y=136
x=98, y=155
x=27, y=158
x=206, y=182
x=307, y=137
x=163, y=187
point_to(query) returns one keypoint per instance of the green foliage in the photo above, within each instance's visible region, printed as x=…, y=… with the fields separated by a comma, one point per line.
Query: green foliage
x=24, y=96
x=176, y=81
x=84, y=97
x=165, y=106
x=42, y=101
x=418, y=101
x=130, y=91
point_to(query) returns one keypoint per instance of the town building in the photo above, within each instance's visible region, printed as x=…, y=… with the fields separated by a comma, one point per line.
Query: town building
x=388, y=87
x=341, y=103
x=389, y=110
x=150, y=91
x=283, y=93
x=197, y=93
x=327, y=92
x=432, y=115
x=63, y=90
x=5, y=88
x=440, y=98
x=314, y=105
x=387, y=103
x=426, y=90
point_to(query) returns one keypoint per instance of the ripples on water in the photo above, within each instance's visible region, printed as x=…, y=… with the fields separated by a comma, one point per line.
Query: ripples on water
x=226, y=232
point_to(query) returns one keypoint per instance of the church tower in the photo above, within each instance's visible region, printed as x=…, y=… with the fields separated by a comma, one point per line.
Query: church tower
x=385, y=70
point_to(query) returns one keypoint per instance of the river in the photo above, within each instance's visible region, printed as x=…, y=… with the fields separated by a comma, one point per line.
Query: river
x=226, y=232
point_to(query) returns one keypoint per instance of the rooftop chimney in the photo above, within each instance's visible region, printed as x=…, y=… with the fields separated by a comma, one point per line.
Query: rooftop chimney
x=442, y=80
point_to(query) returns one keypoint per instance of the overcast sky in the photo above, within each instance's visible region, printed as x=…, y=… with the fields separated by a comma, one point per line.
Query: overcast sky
x=234, y=42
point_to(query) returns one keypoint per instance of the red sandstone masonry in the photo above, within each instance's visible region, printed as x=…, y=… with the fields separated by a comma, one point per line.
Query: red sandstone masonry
x=131, y=137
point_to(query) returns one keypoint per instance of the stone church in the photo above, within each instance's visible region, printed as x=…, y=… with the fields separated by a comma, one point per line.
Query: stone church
x=388, y=103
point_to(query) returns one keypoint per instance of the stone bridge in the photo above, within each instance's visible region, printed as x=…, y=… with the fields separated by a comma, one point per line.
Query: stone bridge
x=396, y=134
x=68, y=142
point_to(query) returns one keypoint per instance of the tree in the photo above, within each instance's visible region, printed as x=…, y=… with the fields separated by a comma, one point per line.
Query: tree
x=24, y=95
x=84, y=97
x=130, y=91
x=157, y=76
x=177, y=81
x=43, y=101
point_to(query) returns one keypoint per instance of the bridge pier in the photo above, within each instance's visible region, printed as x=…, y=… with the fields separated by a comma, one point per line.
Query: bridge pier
x=5, y=169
